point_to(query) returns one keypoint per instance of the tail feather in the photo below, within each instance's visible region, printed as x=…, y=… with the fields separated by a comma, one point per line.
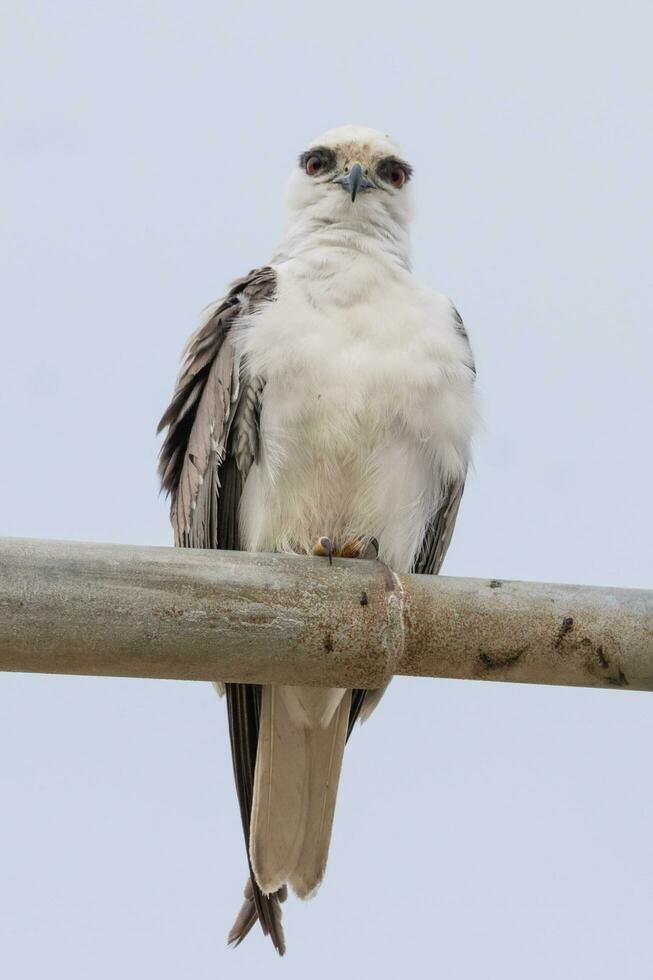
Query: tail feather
x=301, y=742
x=276, y=823
x=243, y=704
x=248, y=915
x=324, y=764
x=245, y=918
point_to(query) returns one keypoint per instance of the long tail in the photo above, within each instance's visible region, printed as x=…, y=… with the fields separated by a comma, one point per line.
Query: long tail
x=244, y=705
x=302, y=737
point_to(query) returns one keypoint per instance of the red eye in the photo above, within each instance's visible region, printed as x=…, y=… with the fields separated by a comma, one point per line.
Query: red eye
x=313, y=166
x=398, y=177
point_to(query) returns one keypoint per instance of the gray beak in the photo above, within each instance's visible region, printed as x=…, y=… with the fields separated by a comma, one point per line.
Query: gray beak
x=354, y=181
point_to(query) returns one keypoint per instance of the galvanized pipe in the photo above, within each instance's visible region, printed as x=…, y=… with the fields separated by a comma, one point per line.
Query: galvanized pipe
x=127, y=611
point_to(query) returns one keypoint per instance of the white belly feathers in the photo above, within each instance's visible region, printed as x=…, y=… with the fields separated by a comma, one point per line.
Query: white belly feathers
x=367, y=406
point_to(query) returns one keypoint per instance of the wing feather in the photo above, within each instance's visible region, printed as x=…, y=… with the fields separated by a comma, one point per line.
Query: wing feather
x=438, y=534
x=439, y=531
x=211, y=442
x=201, y=411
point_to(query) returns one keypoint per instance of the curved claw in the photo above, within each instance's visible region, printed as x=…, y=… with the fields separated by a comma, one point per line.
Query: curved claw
x=324, y=548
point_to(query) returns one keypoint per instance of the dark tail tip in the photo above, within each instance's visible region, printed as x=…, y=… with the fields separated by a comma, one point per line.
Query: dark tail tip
x=267, y=908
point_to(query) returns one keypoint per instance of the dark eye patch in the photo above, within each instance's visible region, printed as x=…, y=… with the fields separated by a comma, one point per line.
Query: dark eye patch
x=323, y=153
x=386, y=167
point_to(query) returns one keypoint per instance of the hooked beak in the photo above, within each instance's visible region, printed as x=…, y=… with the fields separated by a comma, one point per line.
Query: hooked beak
x=354, y=181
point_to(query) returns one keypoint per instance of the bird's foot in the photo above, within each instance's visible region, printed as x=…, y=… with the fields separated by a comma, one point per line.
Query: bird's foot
x=323, y=548
x=361, y=548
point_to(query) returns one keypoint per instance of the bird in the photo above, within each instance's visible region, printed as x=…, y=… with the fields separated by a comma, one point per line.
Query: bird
x=325, y=406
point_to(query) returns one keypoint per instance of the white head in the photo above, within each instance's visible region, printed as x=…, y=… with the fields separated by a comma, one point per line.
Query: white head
x=352, y=179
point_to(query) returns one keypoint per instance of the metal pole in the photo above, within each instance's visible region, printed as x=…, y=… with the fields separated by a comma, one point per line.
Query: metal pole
x=73, y=608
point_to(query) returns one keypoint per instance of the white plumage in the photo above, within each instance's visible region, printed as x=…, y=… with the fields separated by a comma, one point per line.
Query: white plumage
x=368, y=406
x=363, y=379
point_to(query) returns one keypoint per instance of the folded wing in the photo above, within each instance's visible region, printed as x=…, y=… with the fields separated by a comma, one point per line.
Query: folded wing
x=210, y=444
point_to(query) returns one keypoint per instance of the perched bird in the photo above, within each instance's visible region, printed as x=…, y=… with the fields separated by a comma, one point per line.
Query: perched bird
x=326, y=406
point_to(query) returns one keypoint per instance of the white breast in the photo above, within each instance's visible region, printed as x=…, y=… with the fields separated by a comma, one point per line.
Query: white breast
x=367, y=407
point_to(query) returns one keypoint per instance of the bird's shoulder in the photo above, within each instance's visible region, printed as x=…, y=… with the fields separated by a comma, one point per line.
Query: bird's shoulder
x=443, y=318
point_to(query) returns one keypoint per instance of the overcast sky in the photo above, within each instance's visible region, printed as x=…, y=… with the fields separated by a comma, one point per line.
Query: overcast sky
x=482, y=830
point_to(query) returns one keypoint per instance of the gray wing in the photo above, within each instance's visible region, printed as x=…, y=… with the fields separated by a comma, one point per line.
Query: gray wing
x=211, y=443
x=210, y=394
x=439, y=532
x=461, y=330
x=440, y=529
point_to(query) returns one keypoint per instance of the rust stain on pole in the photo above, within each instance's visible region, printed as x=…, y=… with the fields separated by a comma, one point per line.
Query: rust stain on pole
x=204, y=615
x=530, y=632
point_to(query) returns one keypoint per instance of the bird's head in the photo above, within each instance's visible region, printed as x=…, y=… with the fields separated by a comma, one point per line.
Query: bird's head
x=355, y=177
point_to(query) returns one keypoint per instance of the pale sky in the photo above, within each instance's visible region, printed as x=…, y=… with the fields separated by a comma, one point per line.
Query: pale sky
x=482, y=830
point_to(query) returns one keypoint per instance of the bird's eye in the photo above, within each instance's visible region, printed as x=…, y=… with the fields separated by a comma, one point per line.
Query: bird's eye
x=394, y=171
x=313, y=166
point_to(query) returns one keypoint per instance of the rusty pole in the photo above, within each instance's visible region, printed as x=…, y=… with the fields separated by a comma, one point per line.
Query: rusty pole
x=128, y=611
